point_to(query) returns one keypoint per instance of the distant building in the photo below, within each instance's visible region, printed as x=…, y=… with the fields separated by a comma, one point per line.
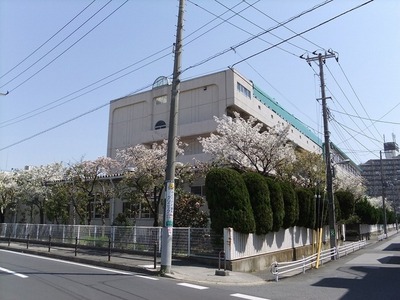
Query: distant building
x=383, y=174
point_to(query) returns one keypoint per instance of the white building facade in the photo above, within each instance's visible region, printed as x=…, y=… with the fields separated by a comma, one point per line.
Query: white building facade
x=143, y=118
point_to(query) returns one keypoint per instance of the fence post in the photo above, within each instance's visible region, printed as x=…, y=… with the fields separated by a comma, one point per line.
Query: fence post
x=155, y=254
x=276, y=271
x=109, y=249
x=49, y=242
x=304, y=265
x=221, y=254
x=27, y=242
x=76, y=245
x=9, y=239
x=189, y=238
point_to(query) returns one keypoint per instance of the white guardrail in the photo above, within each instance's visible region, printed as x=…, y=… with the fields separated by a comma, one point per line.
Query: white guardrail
x=279, y=269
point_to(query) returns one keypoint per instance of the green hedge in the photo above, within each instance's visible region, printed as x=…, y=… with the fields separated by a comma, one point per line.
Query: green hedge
x=228, y=201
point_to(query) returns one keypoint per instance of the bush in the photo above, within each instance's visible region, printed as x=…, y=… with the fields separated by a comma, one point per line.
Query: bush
x=291, y=205
x=260, y=202
x=306, y=208
x=228, y=201
x=346, y=203
x=277, y=204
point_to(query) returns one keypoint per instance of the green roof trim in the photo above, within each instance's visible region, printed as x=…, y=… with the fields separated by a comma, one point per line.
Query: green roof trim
x=279, y=110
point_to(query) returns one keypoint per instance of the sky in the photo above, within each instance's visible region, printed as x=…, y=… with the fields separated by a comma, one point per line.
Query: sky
x=62, y=62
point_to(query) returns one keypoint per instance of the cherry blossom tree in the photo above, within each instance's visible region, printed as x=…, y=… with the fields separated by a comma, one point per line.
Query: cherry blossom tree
x=33, y=188
x=88, y=186
x=248, y=144
x=8, y=192
x=145, y=173
x=307, y=170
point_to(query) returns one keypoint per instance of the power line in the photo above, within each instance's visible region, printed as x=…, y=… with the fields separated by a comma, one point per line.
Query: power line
x=344, y=94
x=48, y=40
x=45, y=66
x=276, y=21
x=14, y=120
x=352, y=88
x=23, y=116
x=234, y=47
x=215, y=18
x=251, y=22
x=301, y=33
x=368, y=119
x=11, y=121
x=54, y=127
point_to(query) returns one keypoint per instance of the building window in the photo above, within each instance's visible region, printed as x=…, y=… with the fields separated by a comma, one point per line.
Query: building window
x=243, y=90
x=160, y=124
x=160, y=99
x=129, y=210
x=97, y=210
x=198, y=190
x=136, y=210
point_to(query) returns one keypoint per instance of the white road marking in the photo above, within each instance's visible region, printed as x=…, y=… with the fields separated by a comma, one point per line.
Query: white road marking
x=248, y=297
x=146, y=277
x=193, y=286
x=13, y=273
x=69, y=262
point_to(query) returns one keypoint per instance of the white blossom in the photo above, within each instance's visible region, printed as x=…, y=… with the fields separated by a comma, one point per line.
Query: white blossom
x=247, y=144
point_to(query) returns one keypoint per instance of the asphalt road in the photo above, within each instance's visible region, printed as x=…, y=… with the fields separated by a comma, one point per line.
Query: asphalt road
x=24, y=276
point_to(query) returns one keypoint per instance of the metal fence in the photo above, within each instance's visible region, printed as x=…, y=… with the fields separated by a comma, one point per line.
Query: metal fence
x=280, y=269
x=186, y=241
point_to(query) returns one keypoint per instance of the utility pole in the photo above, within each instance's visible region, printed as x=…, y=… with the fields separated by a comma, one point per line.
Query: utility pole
x=320, y=58
x=167, y=230
x=383, y=195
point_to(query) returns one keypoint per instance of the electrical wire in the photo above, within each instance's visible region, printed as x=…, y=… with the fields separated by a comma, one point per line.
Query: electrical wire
x=48, y=40
x=344, y=94
x=233, y=48
x=218, y=54
x=23, y=116
x=301, y=33
x=364, y=118
x=260, y=11
x=358, y=98
x=68, y=48
x=80, y=95
x=251, y=22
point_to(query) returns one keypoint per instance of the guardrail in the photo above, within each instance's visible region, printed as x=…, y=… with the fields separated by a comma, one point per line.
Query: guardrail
x=382, y=236
x=278, y=269
x=350, y=247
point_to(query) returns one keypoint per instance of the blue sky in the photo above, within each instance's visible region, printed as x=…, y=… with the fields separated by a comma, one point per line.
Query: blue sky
x=56, y=109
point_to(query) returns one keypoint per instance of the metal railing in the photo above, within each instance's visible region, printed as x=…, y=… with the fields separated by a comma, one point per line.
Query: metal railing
x=279, y=269
x=81, y=246
x=199, y=242
x=350, y=247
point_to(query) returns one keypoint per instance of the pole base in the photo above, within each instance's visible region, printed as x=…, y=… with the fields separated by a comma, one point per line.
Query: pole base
x=221, y=273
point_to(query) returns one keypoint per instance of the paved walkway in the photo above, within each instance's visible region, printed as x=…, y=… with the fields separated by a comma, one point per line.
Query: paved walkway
x=182, y=269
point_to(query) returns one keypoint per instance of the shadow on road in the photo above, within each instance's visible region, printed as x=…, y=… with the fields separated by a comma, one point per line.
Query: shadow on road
x=368, y=283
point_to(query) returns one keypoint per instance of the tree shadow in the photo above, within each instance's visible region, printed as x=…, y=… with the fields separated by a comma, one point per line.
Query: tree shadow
x=368, y=283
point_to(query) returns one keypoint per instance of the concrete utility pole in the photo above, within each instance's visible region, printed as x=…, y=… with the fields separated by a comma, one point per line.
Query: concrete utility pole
x=329, y=184
x=167, y=230
x=383, y=196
